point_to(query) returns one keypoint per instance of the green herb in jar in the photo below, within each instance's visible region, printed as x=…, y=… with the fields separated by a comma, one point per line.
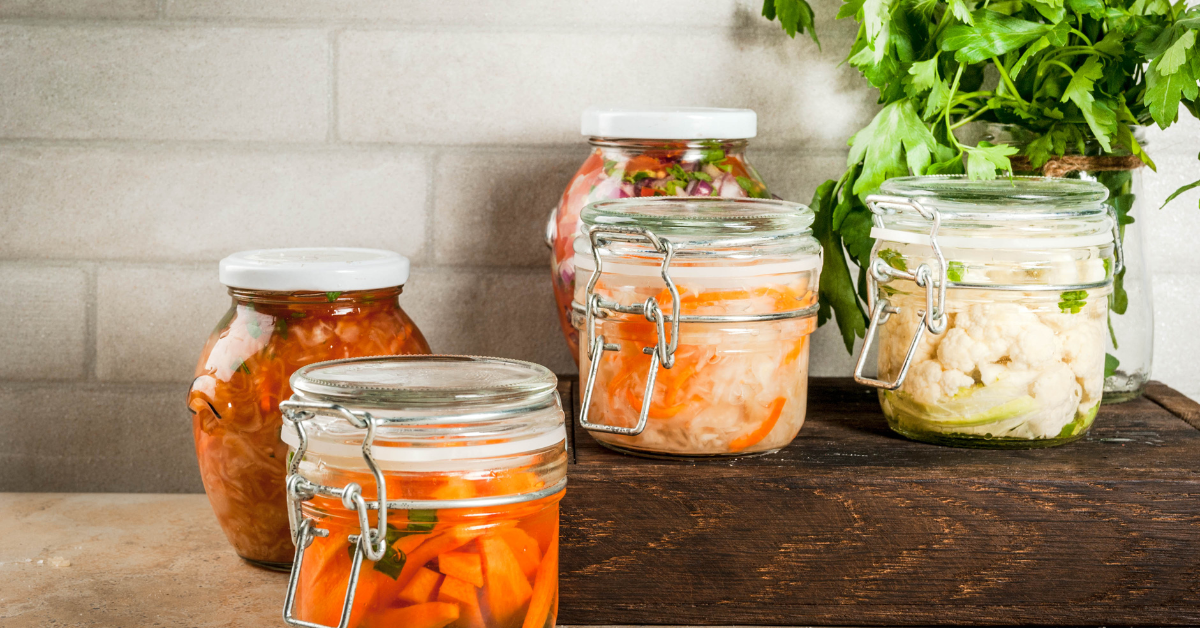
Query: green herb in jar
x=1072, y=301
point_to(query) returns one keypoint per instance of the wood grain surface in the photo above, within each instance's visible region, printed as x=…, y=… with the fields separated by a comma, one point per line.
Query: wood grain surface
x=853, y=525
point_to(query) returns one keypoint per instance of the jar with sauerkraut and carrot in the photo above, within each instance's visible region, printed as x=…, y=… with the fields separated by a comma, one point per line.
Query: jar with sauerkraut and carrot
x=697, y=315
x=424, y=492
x=990, y=301
x=291, y=308
x=639, y=153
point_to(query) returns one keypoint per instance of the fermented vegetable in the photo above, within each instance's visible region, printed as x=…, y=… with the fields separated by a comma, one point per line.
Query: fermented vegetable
x=242, y=376
x=471, y=568
x=735, y=388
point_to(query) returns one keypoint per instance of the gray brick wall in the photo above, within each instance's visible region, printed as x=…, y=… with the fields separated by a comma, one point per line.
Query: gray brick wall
x=143, y=140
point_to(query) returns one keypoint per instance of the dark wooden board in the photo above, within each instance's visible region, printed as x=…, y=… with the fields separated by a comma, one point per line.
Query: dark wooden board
x=853, y=525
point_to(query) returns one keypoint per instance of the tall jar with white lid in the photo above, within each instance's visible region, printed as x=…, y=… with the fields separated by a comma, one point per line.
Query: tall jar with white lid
x=639, y=153
x=697, y=315
x=289, y=308
x=424, y=491
x=989, y=301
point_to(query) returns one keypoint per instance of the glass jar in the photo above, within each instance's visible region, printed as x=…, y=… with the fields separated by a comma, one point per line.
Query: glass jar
x=424, y=491
x=989, y=299
x=1130, y=343
x=697, y=316
x=291, y=307
x=692, y=152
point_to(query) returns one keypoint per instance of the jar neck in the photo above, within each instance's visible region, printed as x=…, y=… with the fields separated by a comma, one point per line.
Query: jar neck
x=736, y=147
x=381, y=297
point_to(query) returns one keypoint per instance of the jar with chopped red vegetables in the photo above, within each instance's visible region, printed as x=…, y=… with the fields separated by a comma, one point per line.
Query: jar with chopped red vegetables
x=689, y=152
x=291, y=308
x=424, y=493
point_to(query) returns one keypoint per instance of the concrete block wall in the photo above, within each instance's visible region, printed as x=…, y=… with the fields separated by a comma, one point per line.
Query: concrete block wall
x=143, y=140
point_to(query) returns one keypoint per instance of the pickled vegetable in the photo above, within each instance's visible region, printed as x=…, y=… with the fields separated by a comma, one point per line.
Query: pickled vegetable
x=735, y=388
x=242, y=376
x=1024, y=369
x=491, y=567
x=667, y=169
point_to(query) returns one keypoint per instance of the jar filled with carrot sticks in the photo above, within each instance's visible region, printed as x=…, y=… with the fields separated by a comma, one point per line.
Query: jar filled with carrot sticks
x=290, y=308
x=697, y=315
x=424, y=493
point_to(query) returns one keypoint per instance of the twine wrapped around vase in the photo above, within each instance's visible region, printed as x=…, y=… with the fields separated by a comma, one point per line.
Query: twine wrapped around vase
x=1062, y=166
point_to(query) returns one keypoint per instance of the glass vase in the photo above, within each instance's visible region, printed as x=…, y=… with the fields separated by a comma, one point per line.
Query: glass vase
x=1130, y=324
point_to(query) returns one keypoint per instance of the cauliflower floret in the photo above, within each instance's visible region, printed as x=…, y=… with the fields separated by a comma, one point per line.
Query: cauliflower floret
x=990, y=372
x=924, y=382
x=958, y=350
x=997, y=325
x=1036, y=346
x=1083, y=350
x=954, y=380
x=1058, y=395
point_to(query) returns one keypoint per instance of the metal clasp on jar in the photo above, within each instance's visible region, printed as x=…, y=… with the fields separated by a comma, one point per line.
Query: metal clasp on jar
x=297, y=413
x=933, y=317
x=661, y=353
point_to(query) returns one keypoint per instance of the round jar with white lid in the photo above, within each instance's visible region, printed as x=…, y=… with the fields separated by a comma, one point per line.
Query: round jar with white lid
x=290, y=308
x=466, y=459
x=990, y=305
x=697, y=315
x=636, y=153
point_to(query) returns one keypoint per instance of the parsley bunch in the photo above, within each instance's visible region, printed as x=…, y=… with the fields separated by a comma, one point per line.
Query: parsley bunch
x=1071, y=72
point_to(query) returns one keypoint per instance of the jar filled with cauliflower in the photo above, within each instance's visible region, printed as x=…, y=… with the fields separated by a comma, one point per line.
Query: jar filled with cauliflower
x=1018, y=272
x=697, y=315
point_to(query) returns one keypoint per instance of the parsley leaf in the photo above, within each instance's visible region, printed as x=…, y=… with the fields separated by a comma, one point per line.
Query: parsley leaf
x=1110, y=365
x=1072, y=301
x=893, y=259
x=332, y=296
x=993, y=34
x=893, y=144
x=955, y=270
x=795, y=16
x=837, y=286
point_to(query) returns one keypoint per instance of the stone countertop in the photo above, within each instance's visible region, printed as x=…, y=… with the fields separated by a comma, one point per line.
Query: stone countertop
x=126, y=560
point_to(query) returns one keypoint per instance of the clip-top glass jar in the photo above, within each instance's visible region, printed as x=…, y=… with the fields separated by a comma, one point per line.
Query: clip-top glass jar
x=424, y=493
x=291, y=307
x=989, y=301
x=688, y=151
x=697, y=314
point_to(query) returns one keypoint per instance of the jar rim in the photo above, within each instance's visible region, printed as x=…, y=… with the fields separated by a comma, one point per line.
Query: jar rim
x=424, y=381
x=1005, y=198
x=704, y=217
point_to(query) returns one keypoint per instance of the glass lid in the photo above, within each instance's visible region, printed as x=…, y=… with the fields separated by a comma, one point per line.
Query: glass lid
x=412, y=381
x=703, y=217
x=1014, y=198
x=1007, y=212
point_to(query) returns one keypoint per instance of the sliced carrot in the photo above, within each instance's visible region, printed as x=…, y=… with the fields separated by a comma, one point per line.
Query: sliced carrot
x=467, y=597
x=448, y=541
x=462, y=565
x=406, y=545
x=525, y=548
x=421, y=588
x=544, y=589
x=748, y=440
x=454, y=488
x=427, y=615
x=795, y=352
x=642, y=162
x=542, y=526
x=324, y=577
x=507, y=589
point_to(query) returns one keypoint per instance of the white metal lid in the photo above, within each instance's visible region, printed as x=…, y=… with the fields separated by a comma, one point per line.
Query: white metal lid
x=317, y=269
x=679, y=123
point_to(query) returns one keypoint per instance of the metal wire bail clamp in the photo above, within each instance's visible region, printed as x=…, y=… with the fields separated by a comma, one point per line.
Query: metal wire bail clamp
x=662, y=352
x=371, y=542
x=933, y=317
